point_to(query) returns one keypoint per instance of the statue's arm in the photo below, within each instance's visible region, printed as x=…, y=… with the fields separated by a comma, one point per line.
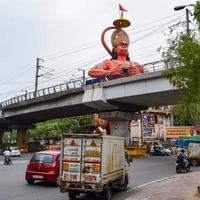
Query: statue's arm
x=99, y=70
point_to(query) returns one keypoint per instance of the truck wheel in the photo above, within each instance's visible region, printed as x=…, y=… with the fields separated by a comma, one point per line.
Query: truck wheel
x=194, y=162
x=107, y=193
x=91, y=195
x=72, y=195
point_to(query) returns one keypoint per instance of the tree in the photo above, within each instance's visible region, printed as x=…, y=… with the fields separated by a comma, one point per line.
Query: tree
x=183, y=59
x=55, y=128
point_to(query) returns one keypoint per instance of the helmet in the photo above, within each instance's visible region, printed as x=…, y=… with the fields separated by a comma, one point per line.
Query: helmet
x=182, y=150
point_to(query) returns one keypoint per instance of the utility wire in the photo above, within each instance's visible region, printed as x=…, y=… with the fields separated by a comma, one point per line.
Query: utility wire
x=18, y=74
x=101, y=57
x=72, y=51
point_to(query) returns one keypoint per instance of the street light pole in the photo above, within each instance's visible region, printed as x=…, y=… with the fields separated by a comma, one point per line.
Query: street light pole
x=187, y=12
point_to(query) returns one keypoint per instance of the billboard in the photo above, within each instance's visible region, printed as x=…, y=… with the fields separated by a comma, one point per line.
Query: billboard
x=148, y=125
x=176, y=132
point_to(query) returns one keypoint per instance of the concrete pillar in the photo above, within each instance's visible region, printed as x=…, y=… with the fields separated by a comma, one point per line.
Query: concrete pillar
x=1, y=138
x=21, y=137
x=120, y=123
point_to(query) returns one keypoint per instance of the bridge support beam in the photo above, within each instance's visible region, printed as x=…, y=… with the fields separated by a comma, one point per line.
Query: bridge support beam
x=1, y=138
x=21, y=137
x=120, y=123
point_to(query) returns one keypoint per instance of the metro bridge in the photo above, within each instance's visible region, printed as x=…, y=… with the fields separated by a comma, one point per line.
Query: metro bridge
x=130, y=94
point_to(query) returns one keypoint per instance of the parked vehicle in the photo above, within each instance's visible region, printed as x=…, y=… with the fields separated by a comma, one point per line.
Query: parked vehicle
x=43, y=166
x=36, y=145
x=93, y=164
x=180, y=166
x=159, y=151
x=14, y=151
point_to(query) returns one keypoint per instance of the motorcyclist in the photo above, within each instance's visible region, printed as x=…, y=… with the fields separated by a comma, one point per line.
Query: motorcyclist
x=183, y=158
x=7, y=155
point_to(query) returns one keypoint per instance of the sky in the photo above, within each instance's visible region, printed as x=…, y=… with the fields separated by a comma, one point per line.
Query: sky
x=66, y=35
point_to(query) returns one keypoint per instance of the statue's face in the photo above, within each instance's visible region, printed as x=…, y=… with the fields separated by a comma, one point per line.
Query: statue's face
x=122, y=49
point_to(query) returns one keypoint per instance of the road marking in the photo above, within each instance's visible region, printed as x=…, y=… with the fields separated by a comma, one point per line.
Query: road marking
x=151, y=182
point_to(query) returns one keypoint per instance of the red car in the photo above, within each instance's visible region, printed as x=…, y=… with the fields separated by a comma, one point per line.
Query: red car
x=43, y=166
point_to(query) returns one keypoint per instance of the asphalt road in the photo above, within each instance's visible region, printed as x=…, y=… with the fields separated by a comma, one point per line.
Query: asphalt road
x=14, y=187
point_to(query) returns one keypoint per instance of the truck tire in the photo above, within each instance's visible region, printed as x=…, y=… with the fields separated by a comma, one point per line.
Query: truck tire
x=107, y=193
x=72, y=195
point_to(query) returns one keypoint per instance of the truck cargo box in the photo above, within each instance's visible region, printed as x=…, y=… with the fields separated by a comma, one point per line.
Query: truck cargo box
x=89, y=161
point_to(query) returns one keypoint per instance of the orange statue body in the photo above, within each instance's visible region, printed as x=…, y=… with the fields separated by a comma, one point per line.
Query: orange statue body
x=120, y=65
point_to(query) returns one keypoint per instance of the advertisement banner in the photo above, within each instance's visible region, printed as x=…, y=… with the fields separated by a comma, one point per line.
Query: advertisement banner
x=176, y=132
x=148, y=125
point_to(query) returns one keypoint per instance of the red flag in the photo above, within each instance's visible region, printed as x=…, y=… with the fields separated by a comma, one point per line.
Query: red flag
x=122, y=9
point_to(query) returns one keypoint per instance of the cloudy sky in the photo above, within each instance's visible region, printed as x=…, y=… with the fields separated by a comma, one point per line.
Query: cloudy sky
x=66, y=35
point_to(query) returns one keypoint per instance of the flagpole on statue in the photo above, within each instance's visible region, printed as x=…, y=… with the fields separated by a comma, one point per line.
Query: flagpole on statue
x=121, y=9
x=118, y=24
x=121, y=22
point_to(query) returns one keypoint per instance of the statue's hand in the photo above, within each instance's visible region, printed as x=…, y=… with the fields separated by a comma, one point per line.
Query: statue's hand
x=125, y=70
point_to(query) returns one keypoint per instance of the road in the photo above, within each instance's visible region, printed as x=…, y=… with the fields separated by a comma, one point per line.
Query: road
x=14, y=187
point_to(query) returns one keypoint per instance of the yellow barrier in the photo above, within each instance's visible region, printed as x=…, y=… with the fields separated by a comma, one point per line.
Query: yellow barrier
x=134, y=152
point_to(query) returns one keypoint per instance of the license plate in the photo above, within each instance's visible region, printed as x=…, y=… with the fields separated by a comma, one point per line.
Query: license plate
x=38, y=176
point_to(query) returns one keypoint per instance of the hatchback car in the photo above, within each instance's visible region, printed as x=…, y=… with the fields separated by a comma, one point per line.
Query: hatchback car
x=14, y=151
x=43, y=166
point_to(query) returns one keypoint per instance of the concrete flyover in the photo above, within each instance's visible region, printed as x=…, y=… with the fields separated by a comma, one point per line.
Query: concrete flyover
x=127, y=94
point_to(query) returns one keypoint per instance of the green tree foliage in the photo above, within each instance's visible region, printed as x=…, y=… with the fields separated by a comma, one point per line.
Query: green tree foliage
x=183, y=60
x=54, y=128
x=186, y=115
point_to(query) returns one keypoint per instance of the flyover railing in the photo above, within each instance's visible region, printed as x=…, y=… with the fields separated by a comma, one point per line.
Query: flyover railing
x=44, y=92
x=72, y=84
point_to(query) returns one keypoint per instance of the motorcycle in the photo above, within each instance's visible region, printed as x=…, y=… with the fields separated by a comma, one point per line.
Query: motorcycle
x=7, y=160
x=180, y=166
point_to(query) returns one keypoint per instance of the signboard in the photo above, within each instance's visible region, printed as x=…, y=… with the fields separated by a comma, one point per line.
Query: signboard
x=148, y=125
x=176, y=132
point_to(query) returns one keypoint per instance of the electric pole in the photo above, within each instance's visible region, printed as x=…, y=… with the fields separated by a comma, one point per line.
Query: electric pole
x=37, y=73
x=187, y=21
x=83, y=75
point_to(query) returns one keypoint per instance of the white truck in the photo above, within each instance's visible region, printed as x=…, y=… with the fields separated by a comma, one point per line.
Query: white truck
x=93, y=164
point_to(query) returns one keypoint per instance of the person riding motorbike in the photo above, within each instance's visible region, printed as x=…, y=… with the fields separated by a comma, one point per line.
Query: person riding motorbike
x=183, y=158
x=7, y=156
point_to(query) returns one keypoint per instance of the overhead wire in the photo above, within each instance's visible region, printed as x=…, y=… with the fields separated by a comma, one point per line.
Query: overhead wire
x=160, y=27
x=18, y=74
x=84, y=48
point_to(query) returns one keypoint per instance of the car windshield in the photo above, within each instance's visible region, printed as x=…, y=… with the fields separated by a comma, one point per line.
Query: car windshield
x=42, y=158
